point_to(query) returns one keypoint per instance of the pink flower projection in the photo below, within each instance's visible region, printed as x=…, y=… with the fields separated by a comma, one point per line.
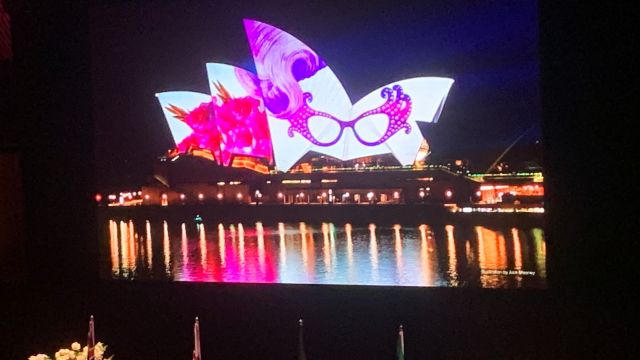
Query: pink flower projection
x=236, y=126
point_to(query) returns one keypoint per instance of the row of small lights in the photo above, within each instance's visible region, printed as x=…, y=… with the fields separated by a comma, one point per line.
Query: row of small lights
x=427, y=191
x=121, y=197
x=509, y=210
x=219, y=196
x=370, y=195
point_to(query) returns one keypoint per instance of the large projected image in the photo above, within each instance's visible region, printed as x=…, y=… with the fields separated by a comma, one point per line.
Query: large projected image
x=251, y=147
x=306, y=107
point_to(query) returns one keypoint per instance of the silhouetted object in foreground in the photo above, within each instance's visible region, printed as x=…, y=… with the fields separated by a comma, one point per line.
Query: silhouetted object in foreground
x=301, y=354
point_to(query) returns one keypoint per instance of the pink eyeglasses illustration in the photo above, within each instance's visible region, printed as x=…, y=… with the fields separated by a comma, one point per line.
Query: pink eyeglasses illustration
x=397, y=109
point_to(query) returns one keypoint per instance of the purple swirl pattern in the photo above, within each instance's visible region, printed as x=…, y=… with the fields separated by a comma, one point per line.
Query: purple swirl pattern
x=282, y=61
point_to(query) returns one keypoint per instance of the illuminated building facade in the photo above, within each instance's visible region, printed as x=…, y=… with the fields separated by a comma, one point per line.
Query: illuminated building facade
x=293, y=124
x=192, y=180
x=295, y=105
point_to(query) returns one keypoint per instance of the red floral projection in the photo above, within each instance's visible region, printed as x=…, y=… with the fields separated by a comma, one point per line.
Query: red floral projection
x=225, y=127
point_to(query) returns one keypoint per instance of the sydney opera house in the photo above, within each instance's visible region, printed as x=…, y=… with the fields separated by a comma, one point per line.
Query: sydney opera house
x=290, y=134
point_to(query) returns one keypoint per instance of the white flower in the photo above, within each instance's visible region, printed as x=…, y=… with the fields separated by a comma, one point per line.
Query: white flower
x=99, y=350
x=63, y=352
x=75, y=353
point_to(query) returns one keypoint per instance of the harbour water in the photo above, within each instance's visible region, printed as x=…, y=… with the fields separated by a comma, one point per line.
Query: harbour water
x=451, y=255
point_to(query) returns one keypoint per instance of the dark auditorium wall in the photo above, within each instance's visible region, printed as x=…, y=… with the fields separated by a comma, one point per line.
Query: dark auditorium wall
x=12, y=234
x=579, y=315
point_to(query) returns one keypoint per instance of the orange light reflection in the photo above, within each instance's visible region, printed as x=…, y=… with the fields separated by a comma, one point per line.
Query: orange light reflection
x=283, y=246
x=241, y=247
x=221, y=246
x=426, y=263
x=166, y=247
x=203, y=246
x=398, y=249
x=451, y=252
x=326, y=247
x=261, y=259
x=149, y=245
x=113, y=244
x=373, y=251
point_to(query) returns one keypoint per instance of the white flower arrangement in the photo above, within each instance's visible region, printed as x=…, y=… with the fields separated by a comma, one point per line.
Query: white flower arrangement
x=76, y=352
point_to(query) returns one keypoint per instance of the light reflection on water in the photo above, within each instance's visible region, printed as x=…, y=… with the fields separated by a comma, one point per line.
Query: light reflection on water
x=326, y=253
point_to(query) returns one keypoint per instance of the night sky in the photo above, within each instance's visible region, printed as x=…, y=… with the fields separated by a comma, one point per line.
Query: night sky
x=490, y=49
